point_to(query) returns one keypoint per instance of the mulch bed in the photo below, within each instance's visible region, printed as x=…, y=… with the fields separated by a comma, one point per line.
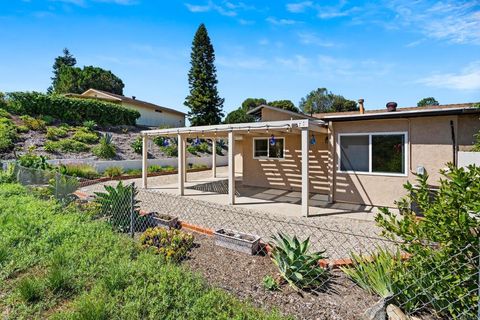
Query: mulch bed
x=242, y=275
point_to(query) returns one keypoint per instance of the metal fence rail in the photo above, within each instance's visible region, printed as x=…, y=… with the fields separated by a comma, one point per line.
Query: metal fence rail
x=133, y=211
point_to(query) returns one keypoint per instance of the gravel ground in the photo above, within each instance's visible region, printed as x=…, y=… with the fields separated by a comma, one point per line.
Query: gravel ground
x=242, y=275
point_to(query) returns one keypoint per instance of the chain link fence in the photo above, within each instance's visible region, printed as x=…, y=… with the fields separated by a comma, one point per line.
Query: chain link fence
x=343, y=266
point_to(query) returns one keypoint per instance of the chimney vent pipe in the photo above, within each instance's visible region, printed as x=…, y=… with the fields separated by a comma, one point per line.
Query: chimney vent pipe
x=361, y=106
x=392, y=106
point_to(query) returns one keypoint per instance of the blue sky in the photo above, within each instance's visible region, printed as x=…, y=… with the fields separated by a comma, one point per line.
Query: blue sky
x=377, y=50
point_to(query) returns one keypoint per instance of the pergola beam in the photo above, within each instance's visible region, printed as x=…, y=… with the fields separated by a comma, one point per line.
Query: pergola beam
x=305, y=172
x=231, y=168
x=181, y=165
x=144, y=161
x=214, y=158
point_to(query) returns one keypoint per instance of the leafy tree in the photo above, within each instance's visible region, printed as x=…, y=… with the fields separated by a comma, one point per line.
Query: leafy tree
x=239, y=116
x=321, y=100
x=76, y=80
x=430, y=101
x=251, y=103
x=204, y=102
x=284, y=104
x=66, y=60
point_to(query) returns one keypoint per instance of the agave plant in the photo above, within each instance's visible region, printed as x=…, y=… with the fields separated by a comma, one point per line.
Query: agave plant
x=116, y=204
x=295, y=264
x=63, y=188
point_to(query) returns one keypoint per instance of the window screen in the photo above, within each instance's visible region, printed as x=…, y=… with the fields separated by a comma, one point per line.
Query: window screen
x=354, y=153
x=388, y=153
x=260, y=147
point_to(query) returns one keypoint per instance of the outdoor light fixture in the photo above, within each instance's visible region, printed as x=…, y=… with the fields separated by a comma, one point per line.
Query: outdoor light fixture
x=272, y=140
x=313, y=141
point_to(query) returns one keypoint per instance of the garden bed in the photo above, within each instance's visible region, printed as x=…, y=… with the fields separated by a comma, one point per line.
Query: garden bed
x=242, y=275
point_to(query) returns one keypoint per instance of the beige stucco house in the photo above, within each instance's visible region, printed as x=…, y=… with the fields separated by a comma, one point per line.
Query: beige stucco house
x=362, y=157
x=151, y=115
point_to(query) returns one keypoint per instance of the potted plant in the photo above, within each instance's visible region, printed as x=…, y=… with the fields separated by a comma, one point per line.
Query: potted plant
x=238, y=241
x=164, y=220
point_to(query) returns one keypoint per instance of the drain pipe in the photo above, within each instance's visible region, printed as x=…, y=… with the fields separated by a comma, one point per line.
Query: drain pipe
x=454, y=144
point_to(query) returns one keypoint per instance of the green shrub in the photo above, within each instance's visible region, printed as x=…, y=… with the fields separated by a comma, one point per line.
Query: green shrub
x=54, y=133
x=377, y=274
x=31, y=160
x=133, y=172
x=170, y=151
x=116, y=204
x=198, y=148
x=49, y=120
x=198, y=166
x=172, y=244
x=442, y=244
x=4, y=113
x=8, y=175
x=70, y=110
x=8, y=135
x=66, y=145
x=89, y=125
x=113, y=172
x=31, y=289
x=23, y=129
x=33, y=124
x=106, y=149
x=270, y=283
x=86, y=137
x=137, y=145
x=80, y=170
x=295, y=264
x=62, y=188
x=155, y=168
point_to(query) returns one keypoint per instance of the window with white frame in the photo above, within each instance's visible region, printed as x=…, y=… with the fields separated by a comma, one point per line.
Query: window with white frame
x=268, y=148
x=378, y=153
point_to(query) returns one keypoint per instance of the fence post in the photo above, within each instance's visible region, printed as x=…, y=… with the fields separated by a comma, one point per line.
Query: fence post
x=132, y=210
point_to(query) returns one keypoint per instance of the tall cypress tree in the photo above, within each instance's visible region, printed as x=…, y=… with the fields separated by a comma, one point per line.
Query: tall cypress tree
x=204, y=102
x=67, y=60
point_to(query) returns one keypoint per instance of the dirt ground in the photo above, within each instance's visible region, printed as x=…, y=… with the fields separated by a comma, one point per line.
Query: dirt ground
x=242, y=274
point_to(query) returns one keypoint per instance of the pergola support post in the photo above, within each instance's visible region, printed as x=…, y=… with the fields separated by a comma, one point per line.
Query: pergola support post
x=144, y=161
x=305, y=172
x=231, y=168
x=214, y=158
x=181, y=164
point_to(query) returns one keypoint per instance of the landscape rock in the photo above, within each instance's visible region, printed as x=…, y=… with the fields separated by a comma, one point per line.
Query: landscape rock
x=395, y=313
x=377, y=311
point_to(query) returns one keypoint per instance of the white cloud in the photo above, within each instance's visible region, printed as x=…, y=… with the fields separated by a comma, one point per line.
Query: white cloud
x=467, y=79
x=309, y=38
x=297, y=63
x=453, y=21
x=299, y=6
x=251, y=63
x=83, y=3
x=281, y=22
x=226, y=8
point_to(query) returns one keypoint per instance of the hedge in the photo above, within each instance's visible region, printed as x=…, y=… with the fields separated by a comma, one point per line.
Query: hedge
x=72, y=110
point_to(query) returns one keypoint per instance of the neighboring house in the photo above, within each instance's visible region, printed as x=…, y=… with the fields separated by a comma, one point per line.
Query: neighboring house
x=151, y=115
x=362, y=157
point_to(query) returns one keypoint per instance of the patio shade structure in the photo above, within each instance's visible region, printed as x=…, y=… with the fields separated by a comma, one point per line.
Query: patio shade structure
x=229, y=131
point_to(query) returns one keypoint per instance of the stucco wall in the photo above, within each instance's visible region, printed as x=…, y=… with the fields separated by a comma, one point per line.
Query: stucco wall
x=286, y=174
x=149, y=117
x=468, y=125
x=272, y=115
x=430, y=146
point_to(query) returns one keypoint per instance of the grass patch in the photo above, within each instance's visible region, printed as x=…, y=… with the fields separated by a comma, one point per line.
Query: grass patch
x=80, y=170
x=54, y=133
x=92, y=272
x=66, y=145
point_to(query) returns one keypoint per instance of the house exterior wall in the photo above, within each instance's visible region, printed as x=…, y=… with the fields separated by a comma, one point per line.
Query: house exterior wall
x=151, y=118
x=148, y=116
x=273, y=115
x=286, y=173
x=430, y=146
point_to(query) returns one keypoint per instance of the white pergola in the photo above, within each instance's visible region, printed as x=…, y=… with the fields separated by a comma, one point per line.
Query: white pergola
x=230, y=131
